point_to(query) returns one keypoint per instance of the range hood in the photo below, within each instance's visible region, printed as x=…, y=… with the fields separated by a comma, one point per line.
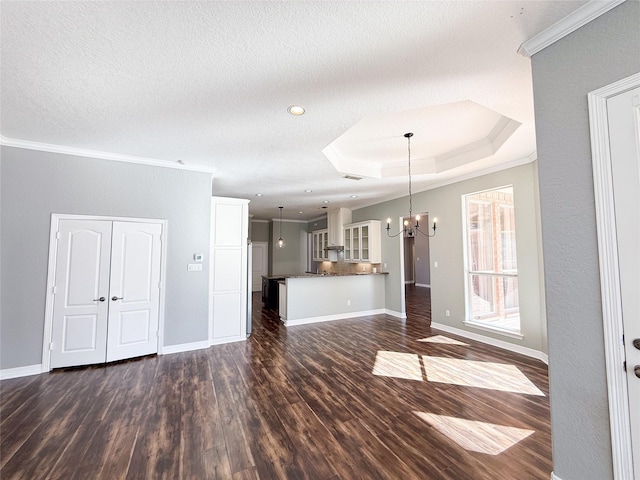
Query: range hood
x=336, y=220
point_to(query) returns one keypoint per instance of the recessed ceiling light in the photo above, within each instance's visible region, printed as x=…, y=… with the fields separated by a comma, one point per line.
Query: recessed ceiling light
x=354, y=196
x=308, y=190
x=325, y=201
x=295, y=110
x=300, y=212
x=258, y=194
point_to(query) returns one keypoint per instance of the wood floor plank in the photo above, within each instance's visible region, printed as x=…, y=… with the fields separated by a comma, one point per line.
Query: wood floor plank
x=303, y=402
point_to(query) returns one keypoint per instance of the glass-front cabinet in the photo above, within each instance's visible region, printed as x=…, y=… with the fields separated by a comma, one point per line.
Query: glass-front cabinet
x=347, y=244
x=320, y=243
x=362, y=242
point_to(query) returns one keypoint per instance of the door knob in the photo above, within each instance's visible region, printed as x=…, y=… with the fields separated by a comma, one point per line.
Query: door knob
x=114, y=298
x=101, y=299
x=636, y=370
x=636, y=343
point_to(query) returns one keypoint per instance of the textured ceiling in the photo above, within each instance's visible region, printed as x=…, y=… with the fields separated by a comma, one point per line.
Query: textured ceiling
x=209, y=83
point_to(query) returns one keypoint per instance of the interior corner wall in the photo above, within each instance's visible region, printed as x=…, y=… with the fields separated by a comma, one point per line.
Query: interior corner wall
x=35, y=184
x=448, y=279
x=598, y=54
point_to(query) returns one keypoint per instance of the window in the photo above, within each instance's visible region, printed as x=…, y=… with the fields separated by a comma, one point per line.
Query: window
x=491, y=260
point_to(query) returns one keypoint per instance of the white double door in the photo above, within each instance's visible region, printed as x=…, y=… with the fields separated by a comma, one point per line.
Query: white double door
x=106, y=293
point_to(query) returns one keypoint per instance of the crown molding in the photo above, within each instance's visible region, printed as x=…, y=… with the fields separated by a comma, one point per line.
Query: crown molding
x=567, y=25
x=81, y=152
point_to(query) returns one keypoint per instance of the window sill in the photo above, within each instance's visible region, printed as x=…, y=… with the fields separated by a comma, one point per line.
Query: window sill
x=500, y=331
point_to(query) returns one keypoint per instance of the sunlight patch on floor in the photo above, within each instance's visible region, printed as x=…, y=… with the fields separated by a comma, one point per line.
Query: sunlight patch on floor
x=442, y=339
x=476, y=436
x=470, y=373
x=398, y=365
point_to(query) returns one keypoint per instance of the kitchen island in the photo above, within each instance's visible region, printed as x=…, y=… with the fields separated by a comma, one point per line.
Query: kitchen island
x=312, y=298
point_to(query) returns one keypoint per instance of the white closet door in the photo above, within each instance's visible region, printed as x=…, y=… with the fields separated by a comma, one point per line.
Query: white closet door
x=135, y=290
x=624, y=133
x=80, y=306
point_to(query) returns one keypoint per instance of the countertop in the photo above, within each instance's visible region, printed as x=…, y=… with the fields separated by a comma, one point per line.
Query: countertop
x=314, y=275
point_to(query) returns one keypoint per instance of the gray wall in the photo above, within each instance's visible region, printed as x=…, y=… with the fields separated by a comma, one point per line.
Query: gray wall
x=423, y=265
x=292, y=258
x=260, y=231
x=33, y=185
x=447, y=280
x=600, y=53
x=409, y=260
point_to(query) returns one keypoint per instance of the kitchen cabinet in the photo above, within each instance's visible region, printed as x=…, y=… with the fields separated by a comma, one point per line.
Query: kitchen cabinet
x=270, y=293
x=362, y=242
x=320, y=243
x=336, y=220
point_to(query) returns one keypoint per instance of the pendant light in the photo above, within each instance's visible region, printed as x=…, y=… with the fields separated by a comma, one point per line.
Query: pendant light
x=408, y=229
x=280, y=243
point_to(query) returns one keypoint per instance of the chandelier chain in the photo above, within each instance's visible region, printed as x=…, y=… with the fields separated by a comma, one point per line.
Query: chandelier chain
x=410, y=199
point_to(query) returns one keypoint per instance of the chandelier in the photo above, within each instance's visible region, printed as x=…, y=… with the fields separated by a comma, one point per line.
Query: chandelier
x=410, y=228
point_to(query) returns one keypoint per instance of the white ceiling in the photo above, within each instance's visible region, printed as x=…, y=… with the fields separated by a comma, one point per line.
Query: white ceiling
x=209, y=83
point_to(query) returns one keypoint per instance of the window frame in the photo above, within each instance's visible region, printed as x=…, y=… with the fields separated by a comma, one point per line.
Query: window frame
x=504, y=273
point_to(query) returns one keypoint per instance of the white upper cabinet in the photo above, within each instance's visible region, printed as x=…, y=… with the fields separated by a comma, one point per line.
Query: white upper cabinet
x=320, y=240
x=336, y=220
x=362, y=242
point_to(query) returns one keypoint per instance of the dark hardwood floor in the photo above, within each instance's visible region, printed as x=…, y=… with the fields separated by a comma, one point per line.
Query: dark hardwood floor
x=353, y=399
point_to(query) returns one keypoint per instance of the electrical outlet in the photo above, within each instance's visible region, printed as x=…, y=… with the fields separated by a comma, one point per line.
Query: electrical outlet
x=348, y=302
x=435, y=264
x=447, y=313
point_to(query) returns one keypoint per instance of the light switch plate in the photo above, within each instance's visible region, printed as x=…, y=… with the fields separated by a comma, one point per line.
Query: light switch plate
x=194, y=267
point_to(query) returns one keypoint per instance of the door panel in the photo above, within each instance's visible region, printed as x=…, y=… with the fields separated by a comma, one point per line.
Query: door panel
x=624, y=134
x=260, y=255
x=135, y=293
x=81, y=278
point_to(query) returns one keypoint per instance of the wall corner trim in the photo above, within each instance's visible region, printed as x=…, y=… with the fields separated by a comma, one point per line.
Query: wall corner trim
x=585, y=14
x=555, y=477
x=21, y=371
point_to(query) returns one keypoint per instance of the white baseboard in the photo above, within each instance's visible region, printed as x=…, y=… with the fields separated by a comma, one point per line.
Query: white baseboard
x=529, y=352
x=393, y=313
x=20, y=371
x=423, y=285
x=220, y=341
x=329, y=318
x=555, y=477
x=184, y=347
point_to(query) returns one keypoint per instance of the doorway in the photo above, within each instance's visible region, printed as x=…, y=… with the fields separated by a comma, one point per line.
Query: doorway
x=614, y=116
x=417, y=274
x=104, y=297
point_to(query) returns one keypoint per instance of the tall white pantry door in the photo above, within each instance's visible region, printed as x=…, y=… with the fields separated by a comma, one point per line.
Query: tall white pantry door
x=107, y=291
x=624, y=133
